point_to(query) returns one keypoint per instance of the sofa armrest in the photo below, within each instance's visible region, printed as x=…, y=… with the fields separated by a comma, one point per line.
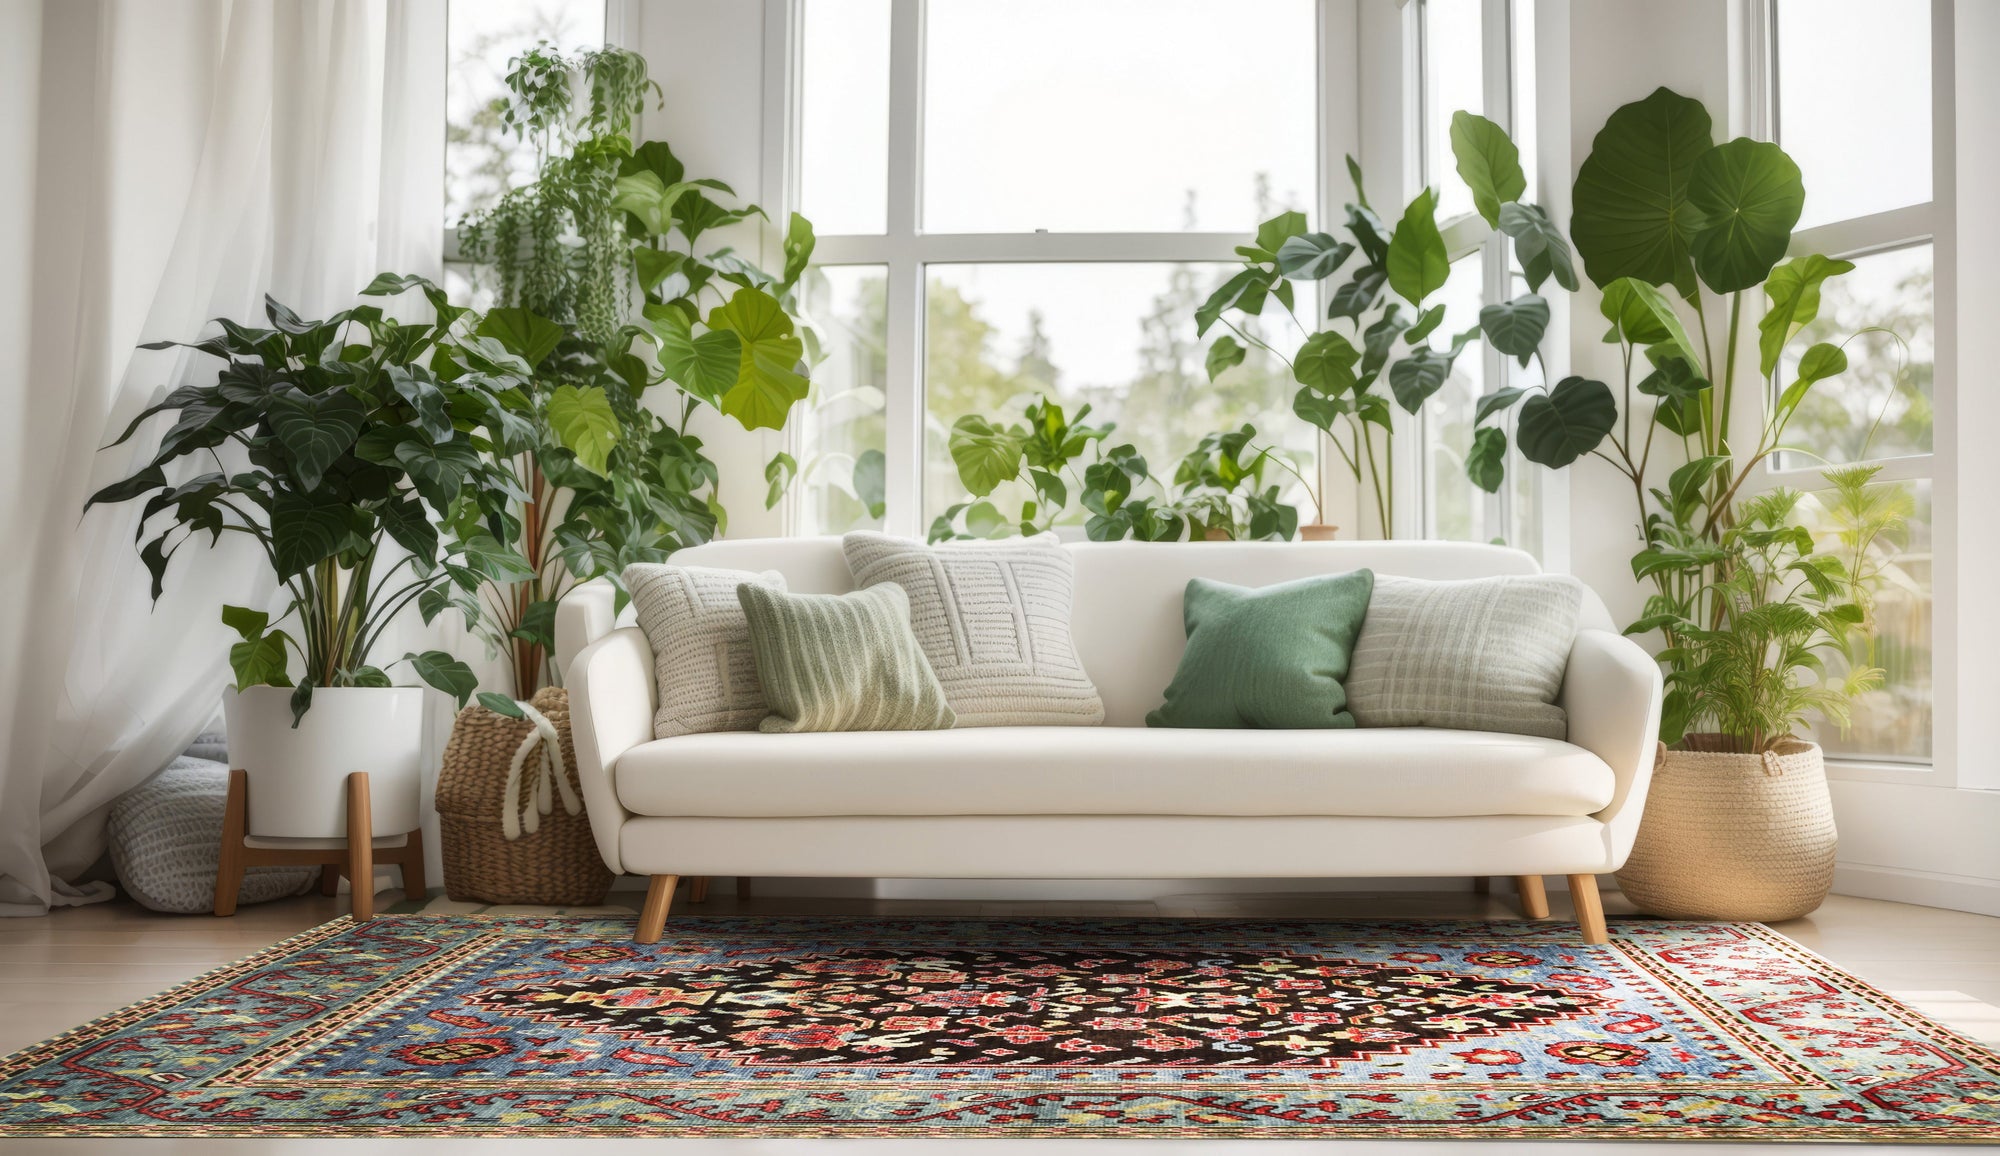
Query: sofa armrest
x=585, y=614
x=611, y=703
x=1612, y=693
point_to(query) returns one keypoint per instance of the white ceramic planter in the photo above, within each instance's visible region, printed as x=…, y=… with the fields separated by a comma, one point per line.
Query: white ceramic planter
x=298, y=778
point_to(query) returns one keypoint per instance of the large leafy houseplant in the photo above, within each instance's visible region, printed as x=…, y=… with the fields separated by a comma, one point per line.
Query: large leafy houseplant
x=606, y=287
x=1679, y=234
x=1349, y=373
x=356, y=451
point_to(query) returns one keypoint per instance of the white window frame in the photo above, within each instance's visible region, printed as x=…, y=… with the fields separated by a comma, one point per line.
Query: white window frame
x=621, y=28
x=1933, y=222
x=1466, y=234
x=905, y=249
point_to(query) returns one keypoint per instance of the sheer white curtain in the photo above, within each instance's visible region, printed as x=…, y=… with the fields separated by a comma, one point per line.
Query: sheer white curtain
x=164, y=162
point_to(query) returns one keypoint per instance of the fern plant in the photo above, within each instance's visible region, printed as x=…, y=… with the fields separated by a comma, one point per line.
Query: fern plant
x=1761, y=615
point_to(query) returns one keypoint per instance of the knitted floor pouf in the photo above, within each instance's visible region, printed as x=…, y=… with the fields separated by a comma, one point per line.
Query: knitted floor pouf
x=166, y=839
x=511, y=813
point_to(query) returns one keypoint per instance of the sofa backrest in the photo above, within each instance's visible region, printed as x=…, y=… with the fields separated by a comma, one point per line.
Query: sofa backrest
x=1127, y=620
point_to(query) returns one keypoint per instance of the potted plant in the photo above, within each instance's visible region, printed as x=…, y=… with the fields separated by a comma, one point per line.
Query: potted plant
x=1348, y=379
x=1738, y=824
x=601, y=254
x=356, y=452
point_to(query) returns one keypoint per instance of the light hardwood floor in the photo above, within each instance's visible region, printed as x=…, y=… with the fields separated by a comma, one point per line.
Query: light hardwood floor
x=73, y=965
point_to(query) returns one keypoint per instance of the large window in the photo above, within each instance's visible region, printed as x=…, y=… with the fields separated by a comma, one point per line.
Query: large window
x=1870, y=165
x=1032, y=198
x=482, y=157
x=1475, y=55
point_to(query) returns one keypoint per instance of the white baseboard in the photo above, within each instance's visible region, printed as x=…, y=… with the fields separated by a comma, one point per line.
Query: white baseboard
x=1924, y=888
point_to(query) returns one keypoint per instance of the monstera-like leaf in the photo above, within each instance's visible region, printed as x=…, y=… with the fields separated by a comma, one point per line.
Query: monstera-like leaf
x=767, y=382
x=1630, y=216
x=1569, y=421
x=1745, y=195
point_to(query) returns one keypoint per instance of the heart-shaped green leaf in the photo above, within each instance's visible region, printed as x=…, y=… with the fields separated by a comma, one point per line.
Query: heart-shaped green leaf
x=314, y=430
x=1486, y=461
x=1819, y=363
x=1495, y=402
x=986, y=454
x=1630, y=216
x=1318, y=409
x=1642, y=315
x=585, y=424
x=1516, y=327
x=1569, y=421
x=1272, y=234
x=1326, y=363
x=1488, y=162
x=261, y=660
x=1418, y=376
x=768, y=383
x=1418, y=263
x=526, y=334
x=1744, y=196
x=305, y=530
x=1540, y=244
x=1225, y=354
x=1312, y=256
x=871, y=481
x=706, y=366
x=778, y=474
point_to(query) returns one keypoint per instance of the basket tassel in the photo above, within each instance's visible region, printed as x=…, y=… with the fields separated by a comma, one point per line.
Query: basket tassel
x=519, y=814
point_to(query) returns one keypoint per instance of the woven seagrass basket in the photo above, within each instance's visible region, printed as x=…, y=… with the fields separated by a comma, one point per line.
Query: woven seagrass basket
x=1735, y=837
x=557, y=862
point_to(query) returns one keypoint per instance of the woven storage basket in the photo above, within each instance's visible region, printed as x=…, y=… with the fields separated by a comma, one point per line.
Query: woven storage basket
x=1730, y=836
x=557, y=862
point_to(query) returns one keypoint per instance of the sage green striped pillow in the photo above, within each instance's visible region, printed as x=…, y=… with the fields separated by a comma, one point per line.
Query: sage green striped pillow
x=841, y=662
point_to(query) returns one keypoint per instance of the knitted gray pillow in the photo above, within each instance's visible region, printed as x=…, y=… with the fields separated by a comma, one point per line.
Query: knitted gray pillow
x=1486, y=654
x=166, y=840
x=706, y=673
x=993, y=618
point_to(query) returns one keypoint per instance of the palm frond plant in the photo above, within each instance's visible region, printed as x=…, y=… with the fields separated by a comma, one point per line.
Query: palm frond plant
x=1752, y=645
x=357, y=452
x=605, y=285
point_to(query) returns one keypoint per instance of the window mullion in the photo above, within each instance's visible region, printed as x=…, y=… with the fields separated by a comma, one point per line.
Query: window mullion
x=904, y=438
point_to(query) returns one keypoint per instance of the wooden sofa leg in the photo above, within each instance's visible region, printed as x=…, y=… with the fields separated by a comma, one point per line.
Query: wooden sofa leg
x=1589, y=908
x=1534, y=900
x=653, y=916
x=698, y=889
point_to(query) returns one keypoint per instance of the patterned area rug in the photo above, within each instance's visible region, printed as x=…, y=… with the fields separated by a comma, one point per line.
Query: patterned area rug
x=560, y=1026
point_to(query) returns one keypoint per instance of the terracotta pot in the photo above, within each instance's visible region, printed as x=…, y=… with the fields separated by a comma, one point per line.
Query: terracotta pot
x=1216, y=534
x=1735, y=837
x=1318, y=532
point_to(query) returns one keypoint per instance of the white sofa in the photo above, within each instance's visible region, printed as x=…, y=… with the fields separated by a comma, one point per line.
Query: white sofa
x=1120, y=800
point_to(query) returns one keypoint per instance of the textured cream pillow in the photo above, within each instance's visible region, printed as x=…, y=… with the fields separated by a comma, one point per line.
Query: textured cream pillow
x=1484, y=654
x=993, y=618
x=702, y=660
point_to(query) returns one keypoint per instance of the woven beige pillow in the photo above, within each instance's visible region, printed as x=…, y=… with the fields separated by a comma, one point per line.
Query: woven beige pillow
x=993, y=618
x=702, y=661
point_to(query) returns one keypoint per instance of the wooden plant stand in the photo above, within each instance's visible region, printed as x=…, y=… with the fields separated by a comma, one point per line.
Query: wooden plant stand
x=355, y=858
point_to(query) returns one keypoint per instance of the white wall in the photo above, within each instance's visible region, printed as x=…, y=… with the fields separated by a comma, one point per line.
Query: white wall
x=709, y=60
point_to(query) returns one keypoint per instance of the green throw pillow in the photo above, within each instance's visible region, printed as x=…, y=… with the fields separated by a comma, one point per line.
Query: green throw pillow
x=841, y=662
x=1272, y=657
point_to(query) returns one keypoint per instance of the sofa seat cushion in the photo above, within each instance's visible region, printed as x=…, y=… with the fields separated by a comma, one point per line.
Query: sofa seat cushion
x=1112, y=771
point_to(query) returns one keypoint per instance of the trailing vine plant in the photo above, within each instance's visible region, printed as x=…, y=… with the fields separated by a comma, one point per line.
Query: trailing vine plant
x=604, y=284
